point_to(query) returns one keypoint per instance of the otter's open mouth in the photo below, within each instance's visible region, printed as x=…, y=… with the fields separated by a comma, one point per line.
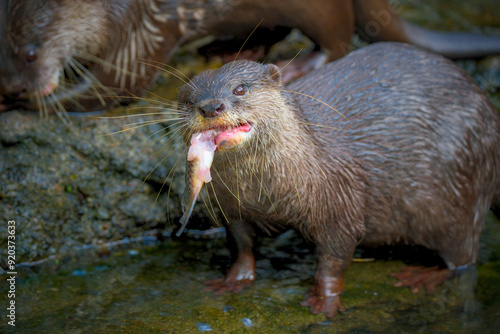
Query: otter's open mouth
x=229, y=137
x=204, y=144
x=226, y=137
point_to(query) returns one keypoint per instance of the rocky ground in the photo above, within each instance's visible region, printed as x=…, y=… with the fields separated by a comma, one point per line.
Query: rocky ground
x=79, y=182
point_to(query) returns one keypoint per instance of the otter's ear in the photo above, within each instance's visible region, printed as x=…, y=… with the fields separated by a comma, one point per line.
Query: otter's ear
x=274, y=73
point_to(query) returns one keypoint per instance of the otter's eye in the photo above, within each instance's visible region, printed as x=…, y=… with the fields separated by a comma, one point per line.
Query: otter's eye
x=29, y=54
x=189, y=104
x=239, y=90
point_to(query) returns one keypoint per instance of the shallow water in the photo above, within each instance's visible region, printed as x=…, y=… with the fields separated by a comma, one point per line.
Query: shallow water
x=157, y=287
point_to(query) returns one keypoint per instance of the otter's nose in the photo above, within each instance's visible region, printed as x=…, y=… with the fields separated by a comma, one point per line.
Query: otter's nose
x=14, y=90
x=211, y=109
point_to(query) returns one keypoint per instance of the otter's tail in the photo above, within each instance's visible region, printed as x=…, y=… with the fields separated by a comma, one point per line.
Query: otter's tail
x=376, y=21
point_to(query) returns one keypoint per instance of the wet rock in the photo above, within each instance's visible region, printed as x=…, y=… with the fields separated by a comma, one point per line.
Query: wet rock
x=73, y=184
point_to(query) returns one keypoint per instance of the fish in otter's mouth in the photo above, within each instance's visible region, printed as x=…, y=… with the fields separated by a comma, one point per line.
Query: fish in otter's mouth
x=200, y=157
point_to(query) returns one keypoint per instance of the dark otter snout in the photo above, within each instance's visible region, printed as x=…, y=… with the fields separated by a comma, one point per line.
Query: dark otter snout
x=211, y=108
x=16, y=93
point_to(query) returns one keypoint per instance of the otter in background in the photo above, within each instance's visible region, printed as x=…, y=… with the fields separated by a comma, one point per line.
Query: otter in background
x=81, y=55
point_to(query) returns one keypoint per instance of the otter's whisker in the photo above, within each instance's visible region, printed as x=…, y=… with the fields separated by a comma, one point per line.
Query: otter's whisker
x=224, y=183
x=61, y=93
x=271, y=201
x=166, y=110
x=148, y=122
x=70, y=73
x=246, y=40
x=102, y=62
x=124, y=130
x=94, y=85
x=287, y=153
x=162, y=99
x=167, y=71
x=150, y=61
x=89, y=77
x=141, y=124
x=168, y=142
x=255, y=148
x=161, y=188
x=289, y=62
x=210, y=209
x=45, y=106
x=213, y=214
x=158, y=164
x=39, y=102
x=218, y=203
x=140, y=115
x=261, y=186
x=262, y=170
x=235, y=170
x=319, y=125
x=314, y=98
x=136, y=97
x=61, y=112
x=173, y=170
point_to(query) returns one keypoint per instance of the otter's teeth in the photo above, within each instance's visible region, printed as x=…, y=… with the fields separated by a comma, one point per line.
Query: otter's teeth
x=52, y=84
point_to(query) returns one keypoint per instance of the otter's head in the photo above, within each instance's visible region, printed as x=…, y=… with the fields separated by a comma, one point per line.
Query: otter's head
x=38, y=40
x=241, y=101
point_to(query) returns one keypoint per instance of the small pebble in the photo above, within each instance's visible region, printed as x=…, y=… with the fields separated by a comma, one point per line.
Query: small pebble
x=203, y=327
x=133, y=252
x=247, y=322
x=227, y=308
x=79, y=272
x=101, y=268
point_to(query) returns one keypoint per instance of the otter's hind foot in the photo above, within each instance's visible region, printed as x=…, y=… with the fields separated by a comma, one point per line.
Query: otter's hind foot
x=222, y=285
x=330, y=306
x=421, y=277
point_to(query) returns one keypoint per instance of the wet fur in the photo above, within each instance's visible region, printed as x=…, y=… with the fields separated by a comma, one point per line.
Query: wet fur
x=425, y=137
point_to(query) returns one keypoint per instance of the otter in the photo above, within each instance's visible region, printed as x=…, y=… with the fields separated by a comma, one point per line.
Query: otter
x=79, y=55
x=82, y=55
x=390, y=144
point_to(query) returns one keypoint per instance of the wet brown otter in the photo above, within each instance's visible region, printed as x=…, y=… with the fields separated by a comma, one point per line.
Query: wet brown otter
x=76, y=54
x=410, y=154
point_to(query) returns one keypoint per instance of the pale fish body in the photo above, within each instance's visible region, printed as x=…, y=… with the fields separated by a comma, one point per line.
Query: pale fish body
x=200, y=157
